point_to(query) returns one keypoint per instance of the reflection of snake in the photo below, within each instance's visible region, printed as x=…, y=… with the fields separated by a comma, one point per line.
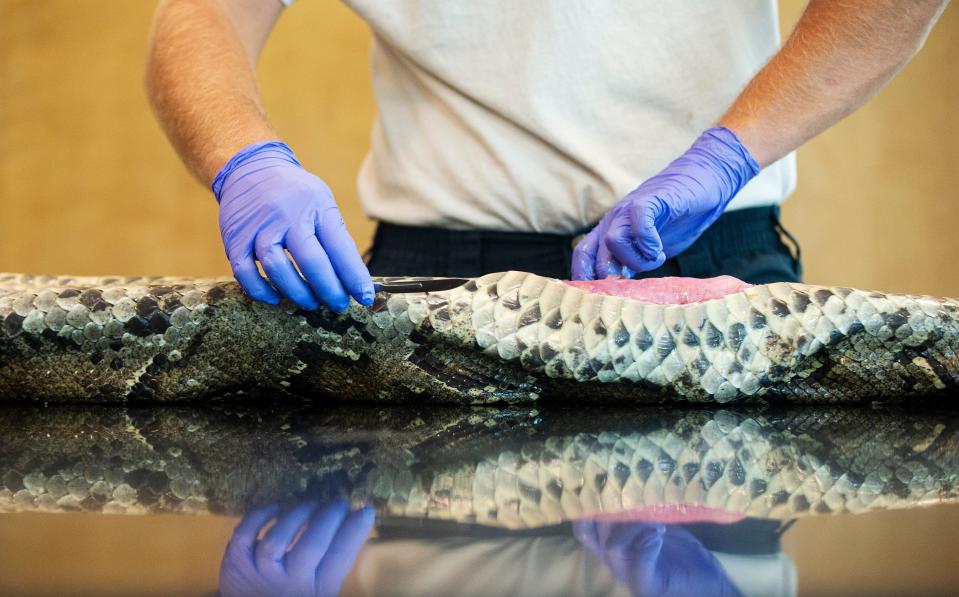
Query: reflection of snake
x=503, y=337
x=512, y=469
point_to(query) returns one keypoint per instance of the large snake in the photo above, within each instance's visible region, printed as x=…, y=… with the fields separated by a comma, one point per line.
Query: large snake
x=516, y=468
x=508, y=337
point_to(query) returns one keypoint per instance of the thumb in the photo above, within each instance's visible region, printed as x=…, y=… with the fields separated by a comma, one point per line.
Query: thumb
x=633, y=551
x=648, y=215
x=646, y=559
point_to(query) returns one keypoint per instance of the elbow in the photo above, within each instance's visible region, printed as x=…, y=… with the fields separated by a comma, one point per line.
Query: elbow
x=158, y=63
x=910, y=49
x=150, y=77
x=895, y=57
x=920, y=25
x=151, y=67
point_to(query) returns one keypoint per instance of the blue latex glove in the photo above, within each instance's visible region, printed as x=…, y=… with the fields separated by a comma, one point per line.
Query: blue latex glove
x=269, y=203
x=280, y=564
x=665, y=214
x=655, y=559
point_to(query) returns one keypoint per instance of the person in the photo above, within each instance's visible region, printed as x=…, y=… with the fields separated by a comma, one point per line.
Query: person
x=507, y=129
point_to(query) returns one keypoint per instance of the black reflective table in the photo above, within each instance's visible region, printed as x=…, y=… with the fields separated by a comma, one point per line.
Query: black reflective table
x=433, y=500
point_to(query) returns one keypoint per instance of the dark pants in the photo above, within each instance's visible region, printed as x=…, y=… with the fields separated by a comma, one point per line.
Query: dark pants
x=748, y=244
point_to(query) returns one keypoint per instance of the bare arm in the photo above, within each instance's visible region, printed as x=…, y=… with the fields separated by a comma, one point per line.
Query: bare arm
x=840, y=54
x=201, y=77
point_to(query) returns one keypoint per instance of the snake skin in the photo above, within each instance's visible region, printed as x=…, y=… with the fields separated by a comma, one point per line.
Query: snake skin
x=500, y=468
x=510, y=337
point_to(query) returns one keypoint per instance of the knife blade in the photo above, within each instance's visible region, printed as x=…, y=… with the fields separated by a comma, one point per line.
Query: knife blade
x=407, y=285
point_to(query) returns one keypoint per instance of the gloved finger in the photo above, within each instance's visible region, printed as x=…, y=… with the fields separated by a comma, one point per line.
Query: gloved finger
x=646, y=215
x=633, y=550
x=621, y=243
x=621, y=536
x=603, y=530
x=344, y=256
x=315, y=266
x=342, y=552
x=606, y=263
x=677, y=535
x=622, y=247
x=247, y=274
x=315, y=540
x=585, y=533
x=583, y=266
x=272, y=548
x=281, y=272
x=246, y=532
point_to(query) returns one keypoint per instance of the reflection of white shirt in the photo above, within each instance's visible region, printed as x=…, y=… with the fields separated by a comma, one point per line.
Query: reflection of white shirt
x=538, y=115
x=553, y=565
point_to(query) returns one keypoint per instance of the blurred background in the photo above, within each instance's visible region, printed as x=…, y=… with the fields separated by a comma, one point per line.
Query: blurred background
x=89, y=185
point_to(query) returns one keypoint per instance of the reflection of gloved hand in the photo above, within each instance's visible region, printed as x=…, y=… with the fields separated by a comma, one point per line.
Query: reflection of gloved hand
x=655, y=559
x=665, y=214
x=316, y=564
x=269, y=204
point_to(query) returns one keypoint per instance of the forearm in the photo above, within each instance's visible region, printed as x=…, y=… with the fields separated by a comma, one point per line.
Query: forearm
x=201, y=79
x=840, y=53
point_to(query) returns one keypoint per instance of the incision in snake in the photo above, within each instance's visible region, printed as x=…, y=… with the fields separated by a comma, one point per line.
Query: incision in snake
x=507, y=337
x=508, y=468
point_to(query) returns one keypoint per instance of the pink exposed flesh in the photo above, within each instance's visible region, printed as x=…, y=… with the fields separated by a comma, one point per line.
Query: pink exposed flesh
x=670, y=514
x=664, y=291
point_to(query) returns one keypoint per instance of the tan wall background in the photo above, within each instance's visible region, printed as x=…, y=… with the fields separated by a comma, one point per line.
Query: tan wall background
x=88, y=185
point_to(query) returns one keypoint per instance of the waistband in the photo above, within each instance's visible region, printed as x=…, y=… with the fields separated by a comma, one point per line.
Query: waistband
x=750, y=536
x=422, y=238
x=739, y=231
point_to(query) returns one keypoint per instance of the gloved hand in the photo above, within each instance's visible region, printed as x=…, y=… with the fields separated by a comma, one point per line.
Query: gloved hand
x=664, y=215
x=269, y=203
x=655, y=559
x=317, y=563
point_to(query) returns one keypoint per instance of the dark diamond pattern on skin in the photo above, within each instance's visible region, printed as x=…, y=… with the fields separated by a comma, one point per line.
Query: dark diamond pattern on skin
x=520, y=337
x=513, y=468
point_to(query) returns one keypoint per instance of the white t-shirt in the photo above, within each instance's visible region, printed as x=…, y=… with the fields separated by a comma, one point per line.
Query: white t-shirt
x=538, y=115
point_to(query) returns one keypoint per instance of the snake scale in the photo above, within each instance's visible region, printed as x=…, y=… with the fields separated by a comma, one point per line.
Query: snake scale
x=510, y=337
x=508, y=468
